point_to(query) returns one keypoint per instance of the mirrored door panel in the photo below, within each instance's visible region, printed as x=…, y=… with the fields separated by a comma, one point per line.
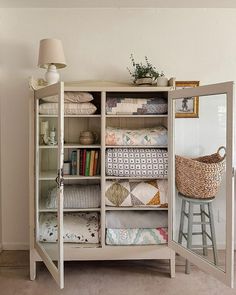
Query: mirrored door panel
x=202, y=195
x=49, y=179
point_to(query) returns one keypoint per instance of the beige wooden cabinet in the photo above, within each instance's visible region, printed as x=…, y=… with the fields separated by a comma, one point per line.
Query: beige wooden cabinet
x=46, y=164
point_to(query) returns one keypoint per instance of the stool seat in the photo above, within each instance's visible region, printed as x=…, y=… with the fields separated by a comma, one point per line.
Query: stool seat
x=206, y=219
x=196, y=200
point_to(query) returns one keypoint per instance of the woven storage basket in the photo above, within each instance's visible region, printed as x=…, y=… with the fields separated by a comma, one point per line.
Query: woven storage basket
x=200, y=177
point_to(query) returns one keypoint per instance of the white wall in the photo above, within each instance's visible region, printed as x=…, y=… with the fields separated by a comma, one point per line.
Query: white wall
x=191, y=44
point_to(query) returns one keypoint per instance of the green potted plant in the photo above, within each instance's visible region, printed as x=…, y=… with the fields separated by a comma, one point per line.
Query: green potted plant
x=143, y=74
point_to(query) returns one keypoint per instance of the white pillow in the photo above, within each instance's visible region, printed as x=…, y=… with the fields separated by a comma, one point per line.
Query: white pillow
x=85, y=108
x=73, y=96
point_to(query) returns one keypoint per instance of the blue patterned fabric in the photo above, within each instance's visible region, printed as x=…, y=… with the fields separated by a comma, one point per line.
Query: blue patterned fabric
x=136, y=236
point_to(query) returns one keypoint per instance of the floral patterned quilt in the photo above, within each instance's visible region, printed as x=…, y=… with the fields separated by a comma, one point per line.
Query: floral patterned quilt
x=144, y=137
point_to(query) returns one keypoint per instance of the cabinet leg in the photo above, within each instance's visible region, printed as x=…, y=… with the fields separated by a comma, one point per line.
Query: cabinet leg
x=172, y=266
x=32, y=267
x=187, y=267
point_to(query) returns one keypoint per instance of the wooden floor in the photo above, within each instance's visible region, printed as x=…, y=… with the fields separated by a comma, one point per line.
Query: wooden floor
x=105, y=278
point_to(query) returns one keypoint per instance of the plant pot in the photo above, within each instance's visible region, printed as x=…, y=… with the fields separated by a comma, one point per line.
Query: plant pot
x=144, y=81
x=162, y=81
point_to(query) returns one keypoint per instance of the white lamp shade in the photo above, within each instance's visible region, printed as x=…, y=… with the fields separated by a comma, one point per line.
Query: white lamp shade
x=51, y=52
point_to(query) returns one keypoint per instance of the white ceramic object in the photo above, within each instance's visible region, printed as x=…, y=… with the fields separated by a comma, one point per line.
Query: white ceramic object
x=162, y=81
x=52, y=76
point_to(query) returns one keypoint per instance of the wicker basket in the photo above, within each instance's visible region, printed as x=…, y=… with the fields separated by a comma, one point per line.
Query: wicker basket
x=200, y=177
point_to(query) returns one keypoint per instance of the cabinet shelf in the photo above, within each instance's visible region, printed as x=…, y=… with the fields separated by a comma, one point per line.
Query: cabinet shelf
x=136, y=146
x=137, y=116
x=48, y=175
x=109, y=208
x=46, y=210
x=72, y=146
x=71, y=116
x=51, y=175
x=81, y=146
x=74, y=177
x=137, y=178
x=48, y=146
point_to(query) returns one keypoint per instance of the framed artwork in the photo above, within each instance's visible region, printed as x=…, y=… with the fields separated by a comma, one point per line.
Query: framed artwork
x=187, y=107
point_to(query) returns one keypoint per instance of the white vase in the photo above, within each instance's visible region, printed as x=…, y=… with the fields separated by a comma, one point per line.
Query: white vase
x=162, y=81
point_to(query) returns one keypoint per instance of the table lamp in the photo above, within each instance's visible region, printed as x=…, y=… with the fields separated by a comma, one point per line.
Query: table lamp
x=51, y=57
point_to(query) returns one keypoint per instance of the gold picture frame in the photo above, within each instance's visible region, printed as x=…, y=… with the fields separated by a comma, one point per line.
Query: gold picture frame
x=188, y=107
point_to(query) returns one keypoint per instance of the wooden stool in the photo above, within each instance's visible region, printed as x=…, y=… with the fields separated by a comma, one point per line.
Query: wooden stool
x=204, y=222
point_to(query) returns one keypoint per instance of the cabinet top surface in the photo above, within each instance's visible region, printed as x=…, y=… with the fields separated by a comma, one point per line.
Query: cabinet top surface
x=112, y=86
x=101, y=86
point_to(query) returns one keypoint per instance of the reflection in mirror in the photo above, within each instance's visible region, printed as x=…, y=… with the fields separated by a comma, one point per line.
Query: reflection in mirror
x=200, y=179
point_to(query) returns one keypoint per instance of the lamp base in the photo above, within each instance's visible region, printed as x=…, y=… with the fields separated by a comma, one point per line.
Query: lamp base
x=52, y=76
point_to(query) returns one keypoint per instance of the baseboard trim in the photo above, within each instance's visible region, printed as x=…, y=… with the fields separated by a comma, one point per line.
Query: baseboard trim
x=15, y=246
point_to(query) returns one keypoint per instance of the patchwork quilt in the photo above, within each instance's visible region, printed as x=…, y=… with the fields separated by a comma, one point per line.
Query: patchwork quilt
x=145, y=136
x=130, y=193
x=136, y=106
x=136, y=236
x=135, y=162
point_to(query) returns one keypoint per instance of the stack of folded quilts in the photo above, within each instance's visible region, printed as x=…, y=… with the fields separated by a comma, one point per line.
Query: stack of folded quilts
x=136, y=227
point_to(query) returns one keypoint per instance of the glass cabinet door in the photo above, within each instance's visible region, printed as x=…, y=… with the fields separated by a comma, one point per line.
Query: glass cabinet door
x=201, y=183
x=49, y=134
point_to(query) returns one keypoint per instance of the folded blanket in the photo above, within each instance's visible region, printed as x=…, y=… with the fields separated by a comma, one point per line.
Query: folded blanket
x=136, y=219
x=136, y=106
x=144, y=136
x=137, y=162
x=136, y=236
x=84, y=108
x=78, y=227
x=133, y=193
x=76, y=196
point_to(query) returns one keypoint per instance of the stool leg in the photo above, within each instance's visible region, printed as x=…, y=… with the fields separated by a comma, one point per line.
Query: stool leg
x=204, y=236
x=213, y=235
x=189, y=237
x=181, y=225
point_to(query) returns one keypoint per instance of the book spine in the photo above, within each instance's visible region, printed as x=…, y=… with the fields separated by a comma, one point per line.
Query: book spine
x=81, y=162
x=78, y=162
x=87, y=166
x=73, y=163
x=84, y=161
x=91, y=163
x=98, y=164
x=95, y=163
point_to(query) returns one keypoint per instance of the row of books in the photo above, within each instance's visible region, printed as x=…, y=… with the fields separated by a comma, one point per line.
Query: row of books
x=85, y=162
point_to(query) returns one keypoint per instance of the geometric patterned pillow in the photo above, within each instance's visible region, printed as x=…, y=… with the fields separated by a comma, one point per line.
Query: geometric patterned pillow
x=129, y=193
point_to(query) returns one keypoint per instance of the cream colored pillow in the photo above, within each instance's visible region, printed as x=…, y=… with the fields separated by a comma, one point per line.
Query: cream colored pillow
x=73, y=96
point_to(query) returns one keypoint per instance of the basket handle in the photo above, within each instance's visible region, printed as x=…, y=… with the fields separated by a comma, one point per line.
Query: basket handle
x=218, y=152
